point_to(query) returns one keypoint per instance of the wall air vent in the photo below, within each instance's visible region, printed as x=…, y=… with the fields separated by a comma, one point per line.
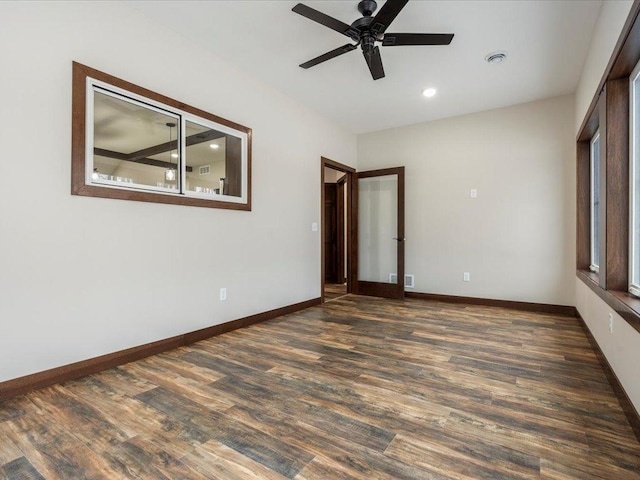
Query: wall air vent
x=409, y=280
x=205, y=170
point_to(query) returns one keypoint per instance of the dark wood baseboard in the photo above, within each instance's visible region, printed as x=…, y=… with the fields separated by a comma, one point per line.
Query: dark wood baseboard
x=22, y=385
x=625, y=402
x=566, y=310
x=209, y=332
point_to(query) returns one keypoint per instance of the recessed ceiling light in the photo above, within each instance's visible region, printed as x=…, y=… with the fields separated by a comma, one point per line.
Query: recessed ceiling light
x=174, y=155
x=215, y=146
x=429, y=92
x=496, y=57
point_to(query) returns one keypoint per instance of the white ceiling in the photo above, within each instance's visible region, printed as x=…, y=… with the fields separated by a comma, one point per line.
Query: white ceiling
x=546, y=42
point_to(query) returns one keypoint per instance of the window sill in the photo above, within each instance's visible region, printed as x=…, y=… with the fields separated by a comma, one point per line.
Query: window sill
x=624, y=304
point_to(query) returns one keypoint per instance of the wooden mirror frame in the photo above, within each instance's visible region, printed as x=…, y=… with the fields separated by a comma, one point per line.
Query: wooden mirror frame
x=79, y=184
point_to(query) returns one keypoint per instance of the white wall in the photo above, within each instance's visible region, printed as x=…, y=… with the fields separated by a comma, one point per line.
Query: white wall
x=622, y=346
x=613, y=14
x=517, y=237
x=81, y=277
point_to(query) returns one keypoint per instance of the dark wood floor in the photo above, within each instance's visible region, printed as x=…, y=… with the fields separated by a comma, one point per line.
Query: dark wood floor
x=334, y=290
x=357, y=388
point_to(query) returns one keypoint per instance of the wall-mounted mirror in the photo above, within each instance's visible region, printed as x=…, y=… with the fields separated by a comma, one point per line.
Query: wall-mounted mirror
x=134, y=144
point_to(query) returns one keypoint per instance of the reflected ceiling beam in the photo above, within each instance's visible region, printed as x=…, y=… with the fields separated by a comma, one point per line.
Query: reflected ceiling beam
x=194, y=139
x=101, y=152
x=141, y=156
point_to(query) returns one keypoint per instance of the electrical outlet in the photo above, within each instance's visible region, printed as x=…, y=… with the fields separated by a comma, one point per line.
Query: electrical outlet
x=223, y=294
x=474, y=193
x=611, y=323
x=466, y=277
x=314, y=227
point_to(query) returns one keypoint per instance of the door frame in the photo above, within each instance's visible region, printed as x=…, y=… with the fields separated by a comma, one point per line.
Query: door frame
x=343, y=217
x=349, y=171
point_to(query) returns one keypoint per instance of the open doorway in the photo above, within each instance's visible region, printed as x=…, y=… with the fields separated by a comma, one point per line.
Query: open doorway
x=336, y=180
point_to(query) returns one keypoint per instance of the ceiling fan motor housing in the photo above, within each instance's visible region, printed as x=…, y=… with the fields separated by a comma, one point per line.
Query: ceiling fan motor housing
x=361, y=25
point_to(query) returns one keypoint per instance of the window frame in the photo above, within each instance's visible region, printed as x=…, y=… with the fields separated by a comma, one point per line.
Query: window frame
x=634, y=169
x=86, y=81
x=594, y=229
x=609, y=109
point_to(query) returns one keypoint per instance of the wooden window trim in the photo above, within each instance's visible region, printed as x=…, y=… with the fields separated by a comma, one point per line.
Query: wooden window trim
x=609, y=112
x=616, y=188
x=622, y=302
x=78, y=182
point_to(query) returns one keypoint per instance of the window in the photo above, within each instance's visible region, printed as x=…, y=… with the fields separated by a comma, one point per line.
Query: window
x=634, y=183
x=595, y=201
x=133, y=144
x=608, y=239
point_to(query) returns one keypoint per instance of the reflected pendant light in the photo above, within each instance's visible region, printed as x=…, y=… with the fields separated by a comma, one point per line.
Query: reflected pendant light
x=170, y=173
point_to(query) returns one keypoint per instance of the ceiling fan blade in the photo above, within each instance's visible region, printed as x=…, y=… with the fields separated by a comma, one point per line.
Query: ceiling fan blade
x=401, y=39
x=329, y=55
x=374, y=61
x=326, y=20
x=386, y=15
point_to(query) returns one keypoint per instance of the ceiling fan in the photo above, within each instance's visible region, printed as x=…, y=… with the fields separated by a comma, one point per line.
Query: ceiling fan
x=368, y=30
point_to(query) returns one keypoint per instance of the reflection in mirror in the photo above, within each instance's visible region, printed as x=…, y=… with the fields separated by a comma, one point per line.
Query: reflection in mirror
x=134, y=143
x=213, y=160
x=377, y=227
x=205, y=155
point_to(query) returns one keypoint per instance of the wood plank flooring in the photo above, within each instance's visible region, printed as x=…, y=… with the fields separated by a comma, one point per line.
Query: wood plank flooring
x=359, y=387
x=334, y=290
